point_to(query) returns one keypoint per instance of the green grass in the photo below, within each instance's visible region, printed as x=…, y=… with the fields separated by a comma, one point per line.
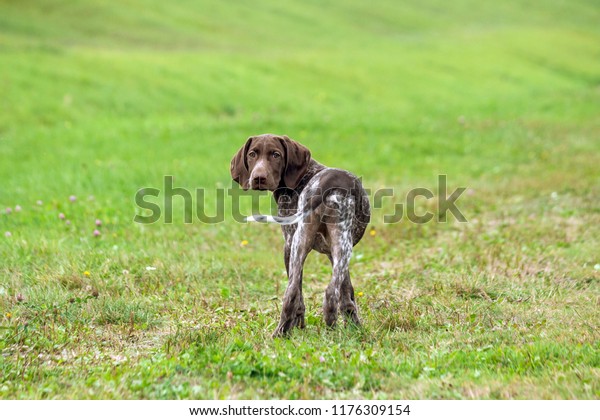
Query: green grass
x=99, y=100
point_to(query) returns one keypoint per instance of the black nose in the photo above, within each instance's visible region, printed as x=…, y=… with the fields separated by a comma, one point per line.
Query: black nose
x=259, y=181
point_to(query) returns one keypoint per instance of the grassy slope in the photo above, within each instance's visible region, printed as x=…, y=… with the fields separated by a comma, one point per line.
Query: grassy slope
x=99, y=100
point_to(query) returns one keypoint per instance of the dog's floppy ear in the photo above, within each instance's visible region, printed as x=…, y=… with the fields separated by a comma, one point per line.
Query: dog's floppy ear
x=297, y=160
x=239, y=166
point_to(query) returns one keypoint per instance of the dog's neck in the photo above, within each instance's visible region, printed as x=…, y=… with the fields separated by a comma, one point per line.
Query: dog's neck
x=314, y=168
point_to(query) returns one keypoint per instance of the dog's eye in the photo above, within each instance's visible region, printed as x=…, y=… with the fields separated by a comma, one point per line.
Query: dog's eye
x=276, y=155
x=252, y=154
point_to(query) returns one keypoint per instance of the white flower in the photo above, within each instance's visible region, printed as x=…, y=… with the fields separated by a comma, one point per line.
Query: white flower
x=149, y=268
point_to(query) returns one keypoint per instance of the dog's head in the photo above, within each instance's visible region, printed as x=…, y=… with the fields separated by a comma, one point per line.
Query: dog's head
x=268, y=162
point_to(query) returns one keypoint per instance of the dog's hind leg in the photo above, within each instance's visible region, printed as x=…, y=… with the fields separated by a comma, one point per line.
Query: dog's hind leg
x=292, y=312
x=339, y=295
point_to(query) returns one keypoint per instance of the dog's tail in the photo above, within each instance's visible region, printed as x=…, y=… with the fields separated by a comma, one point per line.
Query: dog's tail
x=289, y=220
x=282, y=220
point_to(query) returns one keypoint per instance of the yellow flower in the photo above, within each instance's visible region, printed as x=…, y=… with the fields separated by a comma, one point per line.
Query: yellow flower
x=8, y=315
x=86, y=273
x=372, y=232
x=360, y=294
x=244, y=243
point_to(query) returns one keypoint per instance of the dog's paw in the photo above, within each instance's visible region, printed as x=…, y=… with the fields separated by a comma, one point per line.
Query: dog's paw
x=287, y=323
x=351, y=314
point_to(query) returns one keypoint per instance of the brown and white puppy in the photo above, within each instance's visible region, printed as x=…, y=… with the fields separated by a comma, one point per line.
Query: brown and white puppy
x=320, y=208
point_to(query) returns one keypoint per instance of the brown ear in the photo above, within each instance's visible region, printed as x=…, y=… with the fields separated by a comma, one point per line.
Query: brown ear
x=297, y=160
x=239, y=166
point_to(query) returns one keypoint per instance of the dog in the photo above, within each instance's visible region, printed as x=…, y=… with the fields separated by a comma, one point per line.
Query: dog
x=320, y=208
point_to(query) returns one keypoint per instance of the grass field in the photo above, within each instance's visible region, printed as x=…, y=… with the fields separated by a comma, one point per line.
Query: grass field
x=99, y=99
